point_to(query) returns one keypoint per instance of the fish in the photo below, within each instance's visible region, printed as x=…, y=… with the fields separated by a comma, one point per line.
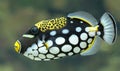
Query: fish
x=78, y=33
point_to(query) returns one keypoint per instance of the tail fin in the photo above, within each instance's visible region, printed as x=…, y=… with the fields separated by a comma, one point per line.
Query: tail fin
x=108, y=28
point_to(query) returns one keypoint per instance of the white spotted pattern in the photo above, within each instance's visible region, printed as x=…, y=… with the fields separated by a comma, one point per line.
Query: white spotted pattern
x=34, y=46
x=56, y=58
x=42, y=56
x=50, y=43
x=92, y=34
x=40, y=43
x=32, y=50
x=78, y=29
x=73, y=39
x=71, y=21
x=83, y=36
x=98, y=33
x=66, y=48
x=76, y=50
x=37, y=59
x=61, y=55
x=65, y=31
x=43, y=50
x=31, y=57
x=50, y=56
x=81, y=21
x=54, y=50
x=87, y=29
x=26, y=54
x=46, y=59
x=34, y=53
x=60, y=40
x=83, y=44
x=53, y=33
x=29, y=50
x=70, y=53
x=89, y=40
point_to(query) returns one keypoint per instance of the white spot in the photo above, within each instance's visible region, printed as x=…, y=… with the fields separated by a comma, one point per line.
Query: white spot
x=32, y=50
x=70, y=53
x=43, y=50
x=54, y=50
x=34, y=46
x=87, y=29
x=46, y=59
x=53, y=33
x=71, y=21
x=41, y=56
x=26, y=54
x=89, y=40
x=73, y=39
x=50, y=43
x=83, y=44
x=28, y=36
x=37, y=59
x=61, y=55
x=60, y=40
x=78, y=29
x=56, y=57
x=76, y=50
x=50, y=56
x=81, y=21
x=65, y=31
x=40, y=43
x=92, y=34
x=35, y=53
x=83, y=36
x=29, y=50
x=66, y=48
x=98, y=33
x=31, y=57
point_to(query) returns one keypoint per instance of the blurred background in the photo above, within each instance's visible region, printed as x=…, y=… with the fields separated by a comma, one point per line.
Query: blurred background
x=16, y=16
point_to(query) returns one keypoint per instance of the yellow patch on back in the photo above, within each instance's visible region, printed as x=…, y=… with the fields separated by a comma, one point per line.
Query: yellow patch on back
x=52, y=24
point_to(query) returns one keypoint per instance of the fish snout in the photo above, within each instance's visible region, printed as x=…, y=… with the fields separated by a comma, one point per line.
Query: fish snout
x=17, y=46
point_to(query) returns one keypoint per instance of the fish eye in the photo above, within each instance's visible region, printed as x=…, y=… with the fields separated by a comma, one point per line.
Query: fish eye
x=34, y=30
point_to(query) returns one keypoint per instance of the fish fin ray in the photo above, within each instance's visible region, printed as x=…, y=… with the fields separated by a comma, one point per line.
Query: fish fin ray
x=109, y=28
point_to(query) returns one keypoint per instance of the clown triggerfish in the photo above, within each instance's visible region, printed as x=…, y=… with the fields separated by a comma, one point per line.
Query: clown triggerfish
x=78, y=33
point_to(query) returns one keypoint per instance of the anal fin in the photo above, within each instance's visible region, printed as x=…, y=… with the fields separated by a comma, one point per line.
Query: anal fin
x=93, y=47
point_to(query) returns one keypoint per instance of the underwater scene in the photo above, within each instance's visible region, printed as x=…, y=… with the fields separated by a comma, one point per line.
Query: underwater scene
x=59, y=35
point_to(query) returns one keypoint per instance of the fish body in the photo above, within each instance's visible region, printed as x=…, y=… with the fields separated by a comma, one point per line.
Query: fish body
x=78, y=33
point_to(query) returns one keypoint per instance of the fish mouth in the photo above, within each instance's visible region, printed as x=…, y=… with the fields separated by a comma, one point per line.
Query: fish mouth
x=17, y=46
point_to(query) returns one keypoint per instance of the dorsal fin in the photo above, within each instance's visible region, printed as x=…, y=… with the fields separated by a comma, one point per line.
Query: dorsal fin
x=84, y=16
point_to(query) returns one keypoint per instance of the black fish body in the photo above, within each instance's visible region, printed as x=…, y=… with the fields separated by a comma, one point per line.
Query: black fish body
x=78, y=33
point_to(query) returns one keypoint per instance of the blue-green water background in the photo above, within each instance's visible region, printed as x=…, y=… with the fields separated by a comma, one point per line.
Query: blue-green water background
x=16, y=16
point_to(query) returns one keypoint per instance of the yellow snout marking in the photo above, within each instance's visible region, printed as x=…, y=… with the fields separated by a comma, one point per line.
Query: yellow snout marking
x=93, y=29
x=17, y=46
